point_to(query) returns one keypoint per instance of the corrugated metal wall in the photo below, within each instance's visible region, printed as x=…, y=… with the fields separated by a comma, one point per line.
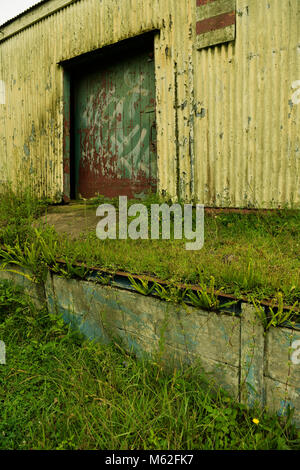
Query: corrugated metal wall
x=227, y=116
x=249, y=137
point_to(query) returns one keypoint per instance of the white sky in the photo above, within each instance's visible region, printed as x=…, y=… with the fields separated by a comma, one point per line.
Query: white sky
x=11, y=8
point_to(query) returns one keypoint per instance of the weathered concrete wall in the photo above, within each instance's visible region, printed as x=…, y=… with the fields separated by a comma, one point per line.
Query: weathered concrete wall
x=23, y=278
x=282, y=369
x=149, y=326
x=227, y=116
x=234, y=352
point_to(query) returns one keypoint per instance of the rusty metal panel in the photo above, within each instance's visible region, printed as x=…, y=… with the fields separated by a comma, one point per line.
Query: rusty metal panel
x=115, y=128
x=247, y=133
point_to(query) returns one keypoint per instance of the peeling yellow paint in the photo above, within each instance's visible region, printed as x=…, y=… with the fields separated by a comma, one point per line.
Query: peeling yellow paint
x=227, y=116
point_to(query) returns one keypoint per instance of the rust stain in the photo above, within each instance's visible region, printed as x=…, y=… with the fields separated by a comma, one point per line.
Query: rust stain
x=217, y=22
x=204, y=2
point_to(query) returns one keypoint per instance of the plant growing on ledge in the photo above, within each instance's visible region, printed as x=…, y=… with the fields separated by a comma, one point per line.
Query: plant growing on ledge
x=277, y=314
x=207, y=298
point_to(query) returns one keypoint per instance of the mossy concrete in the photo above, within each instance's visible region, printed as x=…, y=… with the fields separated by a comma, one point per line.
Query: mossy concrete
x=234, y=351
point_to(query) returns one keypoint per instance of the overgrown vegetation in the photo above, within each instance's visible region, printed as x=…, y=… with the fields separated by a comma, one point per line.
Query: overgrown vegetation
x=277, y=316
x=58, y=391
x=255, y=255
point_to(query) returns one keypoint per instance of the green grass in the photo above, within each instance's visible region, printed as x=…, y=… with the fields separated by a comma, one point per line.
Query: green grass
x=58, y=391
x=256, y=255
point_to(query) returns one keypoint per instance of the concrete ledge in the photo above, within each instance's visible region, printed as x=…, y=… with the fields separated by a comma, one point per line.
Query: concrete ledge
x=279, y=351
x=280, y=396
x=252, y=357
x=23, y=278
x=252, y=365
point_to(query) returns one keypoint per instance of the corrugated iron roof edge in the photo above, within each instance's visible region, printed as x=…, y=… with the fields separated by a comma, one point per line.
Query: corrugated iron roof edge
x=3, y=25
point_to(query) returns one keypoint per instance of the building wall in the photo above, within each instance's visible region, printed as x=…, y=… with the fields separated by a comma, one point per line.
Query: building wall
x=227, y=116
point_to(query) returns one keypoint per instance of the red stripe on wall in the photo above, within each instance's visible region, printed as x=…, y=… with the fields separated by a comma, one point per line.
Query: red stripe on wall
x=217, y=22
x=204, y=2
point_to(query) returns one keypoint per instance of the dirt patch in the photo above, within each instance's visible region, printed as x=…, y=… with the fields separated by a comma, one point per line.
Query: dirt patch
x=74, y=223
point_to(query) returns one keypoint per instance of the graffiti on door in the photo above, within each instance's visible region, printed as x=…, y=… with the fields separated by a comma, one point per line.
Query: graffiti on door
x=116, y=132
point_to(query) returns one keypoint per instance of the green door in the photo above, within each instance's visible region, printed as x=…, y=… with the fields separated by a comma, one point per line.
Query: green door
x=115, y=127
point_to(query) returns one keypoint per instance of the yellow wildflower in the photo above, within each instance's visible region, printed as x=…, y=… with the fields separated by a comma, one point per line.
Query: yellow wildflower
x=255, y=421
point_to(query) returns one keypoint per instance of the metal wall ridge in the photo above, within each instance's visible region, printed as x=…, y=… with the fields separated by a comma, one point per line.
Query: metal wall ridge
x=31, y=16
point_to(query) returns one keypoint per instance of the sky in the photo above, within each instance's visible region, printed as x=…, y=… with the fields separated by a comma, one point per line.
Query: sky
x=11, y=8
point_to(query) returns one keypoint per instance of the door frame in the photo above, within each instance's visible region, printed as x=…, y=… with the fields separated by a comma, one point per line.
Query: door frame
x=69, y=70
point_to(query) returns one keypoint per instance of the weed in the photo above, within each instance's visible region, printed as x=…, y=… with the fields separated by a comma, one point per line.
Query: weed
x=276, y=315
x=206, y=297
x=142, y=286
